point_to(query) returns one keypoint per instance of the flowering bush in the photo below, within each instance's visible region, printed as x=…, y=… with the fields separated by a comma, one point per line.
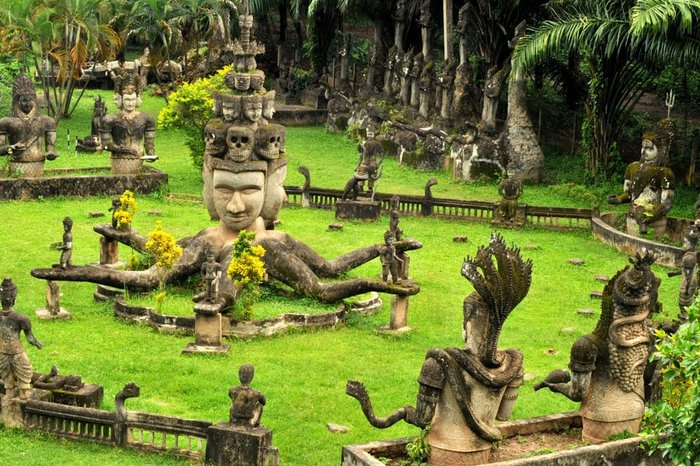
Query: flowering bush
x=163, y=247
x=247, y=271
x=126, y=210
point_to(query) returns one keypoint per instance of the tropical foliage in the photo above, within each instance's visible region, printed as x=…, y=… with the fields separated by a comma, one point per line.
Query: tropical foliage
x=621, y=44
x=247, y=271
x=674, y=419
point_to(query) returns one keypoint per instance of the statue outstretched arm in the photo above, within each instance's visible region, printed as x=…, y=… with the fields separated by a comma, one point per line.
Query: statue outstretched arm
x=358, y=391
x=26, y=327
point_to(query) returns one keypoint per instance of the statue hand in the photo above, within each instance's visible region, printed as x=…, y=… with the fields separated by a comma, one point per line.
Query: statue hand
x=18, y=146
x=37, y=344
x=613, y=199
x=51, y=156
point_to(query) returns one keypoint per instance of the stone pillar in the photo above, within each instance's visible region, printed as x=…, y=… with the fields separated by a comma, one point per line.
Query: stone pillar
x=207, y=330
x=447, y=28
x=230, y=445
x=53, y=309
x=109, y=251
x=399, y=313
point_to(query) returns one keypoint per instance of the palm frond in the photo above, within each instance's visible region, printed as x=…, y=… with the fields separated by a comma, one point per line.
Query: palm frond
x=658, y=16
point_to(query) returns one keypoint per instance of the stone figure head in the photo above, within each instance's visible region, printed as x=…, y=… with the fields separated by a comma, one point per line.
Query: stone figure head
x=24, y=100
x=8, y=293
x=67, y=223
x=230, y=106
x=240, y=141
x=275, y=195
x=127, y=87
x=269, y=105
x=239, y=192
x=252, y=108
x=657, y=142
x=268, y=140
x=246, y=373
x=257, y=80
x=242, y=81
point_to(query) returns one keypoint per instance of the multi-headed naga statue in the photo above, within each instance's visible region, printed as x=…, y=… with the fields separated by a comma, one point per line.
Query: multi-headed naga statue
x=607, y=366
x=462, y=391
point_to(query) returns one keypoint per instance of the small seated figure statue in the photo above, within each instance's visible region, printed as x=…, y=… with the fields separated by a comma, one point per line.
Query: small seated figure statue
x=607, y=366
x=246, y=403
x=27, y=137
x=50, y=381
x=649, y=184
x=510, y=189
x=367, y=169
x=462, y=391
x=128, y=134
x=15, y=367
x=93, y=143
x=211, y=273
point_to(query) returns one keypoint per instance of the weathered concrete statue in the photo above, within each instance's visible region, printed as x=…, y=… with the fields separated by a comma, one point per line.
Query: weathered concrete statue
x=506, y=211
x=15, y=367
x=246, y=403
x=462, y=391
x=688, y=272
x=649, y=184
x=128, y=134
x=66, y=245
x=391, y=262
x=27, y=137
x=211, y=274
x=367, y=170
x=93, y=143
x=607, y=366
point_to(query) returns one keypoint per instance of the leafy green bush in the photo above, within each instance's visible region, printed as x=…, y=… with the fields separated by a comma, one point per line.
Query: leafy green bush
x=672, y=423
x=8, y=71
x=190, y=108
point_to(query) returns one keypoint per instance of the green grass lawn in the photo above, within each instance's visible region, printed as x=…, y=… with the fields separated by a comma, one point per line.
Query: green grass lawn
x=302, y=374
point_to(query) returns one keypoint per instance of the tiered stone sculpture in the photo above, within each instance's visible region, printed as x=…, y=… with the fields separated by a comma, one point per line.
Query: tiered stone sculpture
x=463, y=391
x=27, y=137
x=15, y=367
x=607, y=366
x=129, y=135
x=242, y=441
x=93, y=142
x=244, y=171
x=649, y=184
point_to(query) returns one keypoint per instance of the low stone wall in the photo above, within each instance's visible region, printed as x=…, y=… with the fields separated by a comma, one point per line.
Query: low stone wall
x=603, y=230
x=296, y=115
x=245, y=329
x=627, y=452
x=93, y=181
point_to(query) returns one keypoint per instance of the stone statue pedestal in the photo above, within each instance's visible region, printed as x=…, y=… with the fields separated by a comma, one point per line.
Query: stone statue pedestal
x=109, y=251
x=399, y=316
x=53, y=309
x=357, y=210
x=240, y=446
x=207, y=330
x=90, y=396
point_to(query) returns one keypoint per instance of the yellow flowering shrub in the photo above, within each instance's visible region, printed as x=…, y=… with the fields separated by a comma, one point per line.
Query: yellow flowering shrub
x=163, y=247
x=126, y=210
x=247, y=271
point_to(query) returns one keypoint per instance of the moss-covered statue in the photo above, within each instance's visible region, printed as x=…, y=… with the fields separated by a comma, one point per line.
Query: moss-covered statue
x=27, y=137
x=607, y=366
x=244, y=170
x=463, y=391
x=649, y=183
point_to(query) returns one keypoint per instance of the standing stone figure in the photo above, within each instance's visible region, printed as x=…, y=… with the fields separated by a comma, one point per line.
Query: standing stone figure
x=367, y=170
x=607, y=366
x=246, y=403
x=510, y=189
x=66, y=245
x=462, y=29
x=15, y=367
x=416, y=70
x=649, y=184
x=211, y=273
x=463, y=391
x=406, y=65
x=26, y=137
x=392, y=58
x=92, y=143
x=391, y=262
x=424, y=22
x=688, y=272
x=128, y=132
x=425, y=84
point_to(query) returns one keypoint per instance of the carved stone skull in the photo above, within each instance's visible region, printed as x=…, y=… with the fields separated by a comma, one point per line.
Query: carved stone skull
x=268, y=141
x=240, y=143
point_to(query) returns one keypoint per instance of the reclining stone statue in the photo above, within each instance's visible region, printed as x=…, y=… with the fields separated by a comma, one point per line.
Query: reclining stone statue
x=462, y=391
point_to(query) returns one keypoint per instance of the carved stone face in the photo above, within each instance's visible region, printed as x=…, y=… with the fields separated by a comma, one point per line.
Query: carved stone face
x=650, y=152
x=242, y=82
x=256, y=81
x=130, y=102
x=238, y=197
x=229, y=112
x=26, y=103
x=253, y=111
x=239, y=140
x=275, y=194
x=269, y=109
x=268, y=141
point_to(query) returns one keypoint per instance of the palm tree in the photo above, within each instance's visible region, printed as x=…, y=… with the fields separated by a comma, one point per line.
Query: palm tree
x=62, y=35
x=620, y=60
